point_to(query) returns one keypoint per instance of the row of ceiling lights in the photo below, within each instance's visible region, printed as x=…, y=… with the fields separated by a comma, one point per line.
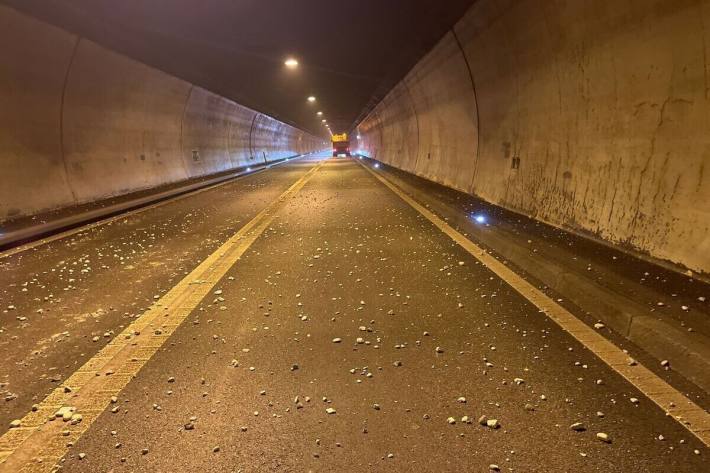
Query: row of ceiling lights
x=292, y=63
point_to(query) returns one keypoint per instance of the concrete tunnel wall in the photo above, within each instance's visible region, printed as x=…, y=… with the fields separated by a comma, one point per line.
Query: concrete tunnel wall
x=79, y=123
x=591, y=116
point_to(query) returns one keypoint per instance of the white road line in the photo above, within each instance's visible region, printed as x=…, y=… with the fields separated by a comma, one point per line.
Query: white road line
x=673, y=402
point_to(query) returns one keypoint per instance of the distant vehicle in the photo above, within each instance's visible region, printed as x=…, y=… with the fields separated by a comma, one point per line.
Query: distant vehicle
x=341, y=145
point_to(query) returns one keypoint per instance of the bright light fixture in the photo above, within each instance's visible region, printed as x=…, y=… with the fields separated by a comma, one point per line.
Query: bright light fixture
x=311, y=99
x=320, y=114
x=291, y=63
x=324, y=120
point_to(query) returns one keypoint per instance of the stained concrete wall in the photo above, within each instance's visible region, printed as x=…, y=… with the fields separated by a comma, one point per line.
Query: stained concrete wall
x=80, y=123
x=592, y=116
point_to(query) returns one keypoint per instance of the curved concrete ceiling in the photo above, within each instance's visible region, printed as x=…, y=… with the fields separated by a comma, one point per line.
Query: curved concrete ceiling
x=351, y=53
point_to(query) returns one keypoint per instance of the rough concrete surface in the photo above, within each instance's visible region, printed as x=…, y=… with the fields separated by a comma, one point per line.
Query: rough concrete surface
x=659, y=311
x=590, y=116
x=81, y=123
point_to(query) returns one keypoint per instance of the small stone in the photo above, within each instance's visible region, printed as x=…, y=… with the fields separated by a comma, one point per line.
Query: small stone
x=337, y=340
x=604, y=437
x=82, y=456
x=215, y=449
x=578, y=427
x=330, y=410
x=493, y=467
x=439, y=350
x=451, y=421
x=15, y=424
x=483, y=420
x=492, y=423
x=599, y=326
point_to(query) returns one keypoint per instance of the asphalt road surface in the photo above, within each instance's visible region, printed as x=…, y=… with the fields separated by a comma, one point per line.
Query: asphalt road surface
x=339, y=330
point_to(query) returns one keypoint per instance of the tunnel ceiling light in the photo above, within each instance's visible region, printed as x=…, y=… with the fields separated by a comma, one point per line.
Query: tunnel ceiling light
x=324, y=120
x=320, y=114
x=311, y=98
x=291, y=63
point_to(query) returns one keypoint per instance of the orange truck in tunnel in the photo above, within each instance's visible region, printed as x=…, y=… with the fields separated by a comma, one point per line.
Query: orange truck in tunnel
x=341, y=145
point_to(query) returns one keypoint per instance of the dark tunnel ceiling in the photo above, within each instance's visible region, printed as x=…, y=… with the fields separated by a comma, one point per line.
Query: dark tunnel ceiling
x=351, y=52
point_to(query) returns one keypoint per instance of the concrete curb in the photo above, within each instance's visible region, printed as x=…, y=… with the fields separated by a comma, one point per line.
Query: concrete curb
x=689, y=355
x=71, y=221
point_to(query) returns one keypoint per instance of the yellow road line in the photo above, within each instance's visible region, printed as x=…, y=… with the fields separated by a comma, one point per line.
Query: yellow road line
x=38, y=444
x=686, y=412
x=123, y=215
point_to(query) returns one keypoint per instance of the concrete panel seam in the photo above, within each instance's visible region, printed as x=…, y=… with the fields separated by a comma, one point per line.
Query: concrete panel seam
x=182, y=128
x=416, y=119
x=65, y=85
x=251, y=131
x=475, y=101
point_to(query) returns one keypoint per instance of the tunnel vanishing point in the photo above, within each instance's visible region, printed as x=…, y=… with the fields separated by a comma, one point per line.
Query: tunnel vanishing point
x=317, y=236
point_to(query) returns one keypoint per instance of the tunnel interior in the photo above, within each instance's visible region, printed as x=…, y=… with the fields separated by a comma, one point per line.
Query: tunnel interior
x=549, y=157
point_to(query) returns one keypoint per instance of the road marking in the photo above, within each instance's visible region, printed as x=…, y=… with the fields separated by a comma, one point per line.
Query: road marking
x=168, y=200
x=37, y=445
x=686, y=412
